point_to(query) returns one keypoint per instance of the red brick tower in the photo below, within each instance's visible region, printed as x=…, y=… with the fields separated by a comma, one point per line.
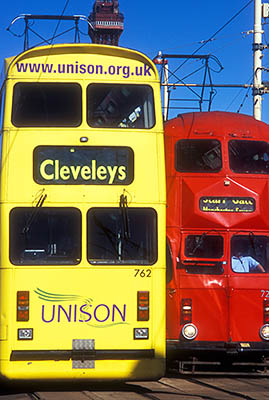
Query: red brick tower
x=106, y=22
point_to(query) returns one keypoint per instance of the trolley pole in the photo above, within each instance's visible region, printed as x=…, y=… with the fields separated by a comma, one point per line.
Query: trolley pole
x=160, y=60
x=257, y=61
x=165, y=91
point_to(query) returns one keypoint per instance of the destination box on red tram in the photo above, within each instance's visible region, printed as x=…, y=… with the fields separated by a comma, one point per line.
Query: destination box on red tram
x=227, y=204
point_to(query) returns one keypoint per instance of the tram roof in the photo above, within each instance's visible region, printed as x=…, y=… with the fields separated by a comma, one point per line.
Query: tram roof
x=198, y=124
x=81, y=48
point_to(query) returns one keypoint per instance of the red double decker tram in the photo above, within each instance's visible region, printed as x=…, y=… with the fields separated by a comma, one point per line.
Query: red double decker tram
x=217, y=239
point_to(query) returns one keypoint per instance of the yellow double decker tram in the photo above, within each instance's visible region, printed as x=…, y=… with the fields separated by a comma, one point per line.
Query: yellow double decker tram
x=82, y=269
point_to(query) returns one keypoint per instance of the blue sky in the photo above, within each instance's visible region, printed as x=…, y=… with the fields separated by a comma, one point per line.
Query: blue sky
x=173, y=27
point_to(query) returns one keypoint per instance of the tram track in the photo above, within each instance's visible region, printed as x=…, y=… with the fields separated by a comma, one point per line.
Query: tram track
x=171, y=387
x=34, y=396
x=219, y=389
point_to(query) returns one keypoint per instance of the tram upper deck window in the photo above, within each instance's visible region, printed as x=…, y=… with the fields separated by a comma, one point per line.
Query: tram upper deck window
x=198, y=155
x=120, y=106
x=250, y=253
x=122, y=236
x=46, y=104
x=202, y=253
x=249, y=156
x=45, y=236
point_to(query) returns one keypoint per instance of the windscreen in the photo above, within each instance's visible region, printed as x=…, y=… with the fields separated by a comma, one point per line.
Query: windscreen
x=202, y=254
x=48, y=236
x=198, y=155
x=249, y=156
x=122, y=236
x=46, y=104
x=204, y=246
x=250, y=253
x=120, y=106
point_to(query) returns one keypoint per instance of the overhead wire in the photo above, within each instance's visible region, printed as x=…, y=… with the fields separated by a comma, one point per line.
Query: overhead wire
x=54, y=34
x=216, y=33
x=48, y=40
x=6, y=72
x=59, y=21
x=205, y=42
x=238, y=94
x=244, y=99
x=226, y=44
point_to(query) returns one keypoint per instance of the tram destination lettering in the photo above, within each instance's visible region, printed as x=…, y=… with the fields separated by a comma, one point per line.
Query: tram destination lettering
x=227, y=204
x=123, y=71
x=87, y=165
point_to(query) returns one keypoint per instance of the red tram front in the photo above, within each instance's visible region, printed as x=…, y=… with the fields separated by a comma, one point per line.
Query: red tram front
x=217, y=238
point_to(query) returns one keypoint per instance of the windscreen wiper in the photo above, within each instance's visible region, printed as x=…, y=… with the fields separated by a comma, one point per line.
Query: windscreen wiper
x=109, y=234
x=252, y=242
x=199, y=244
x=34, y=214
x=126, y=223
x=124, y=214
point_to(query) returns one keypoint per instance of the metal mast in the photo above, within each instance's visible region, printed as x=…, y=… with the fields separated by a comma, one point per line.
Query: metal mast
x=257, y=61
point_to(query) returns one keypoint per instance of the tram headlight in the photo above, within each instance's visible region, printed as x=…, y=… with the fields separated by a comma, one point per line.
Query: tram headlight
x=264, y=332
x=189, y=331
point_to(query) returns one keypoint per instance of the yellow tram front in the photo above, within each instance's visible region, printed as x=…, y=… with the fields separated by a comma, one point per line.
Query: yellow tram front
x=82, y=216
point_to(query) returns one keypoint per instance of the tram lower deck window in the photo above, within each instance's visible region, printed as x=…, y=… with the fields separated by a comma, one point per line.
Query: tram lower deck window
x=249, y=252
x=203, y=254
x=120, y=106
x=122, y=236
x=204, y=246
x=48, y=236
x=46, y=104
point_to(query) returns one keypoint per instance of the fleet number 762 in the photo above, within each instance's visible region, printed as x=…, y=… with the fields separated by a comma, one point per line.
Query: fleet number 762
x=142, y=273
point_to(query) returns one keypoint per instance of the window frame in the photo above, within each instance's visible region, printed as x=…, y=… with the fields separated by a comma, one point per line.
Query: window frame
x=193, y=265
x=248, y=241
x=30, y=214
x=197, y=170
x=113, y=262
x=241, y=171
x=124, y=85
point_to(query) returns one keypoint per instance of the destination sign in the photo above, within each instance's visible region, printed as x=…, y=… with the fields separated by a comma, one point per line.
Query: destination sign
x=227, y=204
x=83, y=165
